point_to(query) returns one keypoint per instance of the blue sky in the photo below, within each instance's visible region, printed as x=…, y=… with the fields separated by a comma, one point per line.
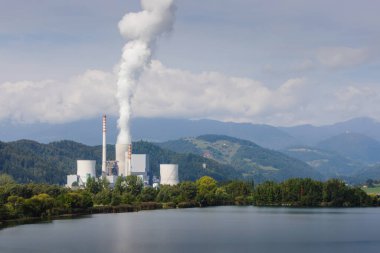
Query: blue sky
x=277, y=62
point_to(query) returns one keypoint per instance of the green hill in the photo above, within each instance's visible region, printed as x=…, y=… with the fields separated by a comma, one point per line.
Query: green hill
x=30, y=161
x=328, y=163
x=353, y=146
x=249, y=159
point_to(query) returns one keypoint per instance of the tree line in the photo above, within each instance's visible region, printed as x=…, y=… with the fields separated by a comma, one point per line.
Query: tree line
x=18, y=201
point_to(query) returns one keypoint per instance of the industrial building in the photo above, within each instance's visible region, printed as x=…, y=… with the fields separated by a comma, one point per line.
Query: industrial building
x=126, y=163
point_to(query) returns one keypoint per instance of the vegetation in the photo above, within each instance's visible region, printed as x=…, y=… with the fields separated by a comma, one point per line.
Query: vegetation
x=310, y=193
x=23, y=201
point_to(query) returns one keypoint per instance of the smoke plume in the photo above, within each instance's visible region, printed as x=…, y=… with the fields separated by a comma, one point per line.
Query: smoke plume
x=141, y=29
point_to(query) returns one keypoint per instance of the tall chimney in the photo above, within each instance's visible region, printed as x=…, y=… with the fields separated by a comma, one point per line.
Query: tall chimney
x=104, y=151
x=129, y=161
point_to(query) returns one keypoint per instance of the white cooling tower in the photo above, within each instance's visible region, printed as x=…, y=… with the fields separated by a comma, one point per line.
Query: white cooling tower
x=121, y=149
x=86, y=169
x=169, y=174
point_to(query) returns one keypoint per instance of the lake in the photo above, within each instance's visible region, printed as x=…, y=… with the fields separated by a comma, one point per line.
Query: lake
x=219, y=229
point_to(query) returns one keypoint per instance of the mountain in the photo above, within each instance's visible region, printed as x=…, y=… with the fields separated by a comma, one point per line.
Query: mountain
x=328, y=163
x=88, y=131
x=353, y=146
x=247, y=157
x=311, y=135
x=30, y=161
x=370, y=172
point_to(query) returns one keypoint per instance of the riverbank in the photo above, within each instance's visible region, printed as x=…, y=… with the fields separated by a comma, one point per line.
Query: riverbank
x=100, y=209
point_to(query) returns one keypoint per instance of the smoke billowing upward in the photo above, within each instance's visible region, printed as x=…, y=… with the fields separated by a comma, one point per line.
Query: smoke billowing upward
x=141, y=29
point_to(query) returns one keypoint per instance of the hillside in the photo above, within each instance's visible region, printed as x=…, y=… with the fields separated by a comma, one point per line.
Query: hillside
x=329, y=164
x=353, y=146
x=30, y=161
x=248, y=158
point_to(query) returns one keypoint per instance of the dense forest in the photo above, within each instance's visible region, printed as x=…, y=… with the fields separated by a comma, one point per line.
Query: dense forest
x=22, y=201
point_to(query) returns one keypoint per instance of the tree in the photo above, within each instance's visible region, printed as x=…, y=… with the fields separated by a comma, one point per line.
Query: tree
x=134, y=185
x=206, y=187
x=188, y=191
x=92, y=185
x=6, y=179
x=148, y=194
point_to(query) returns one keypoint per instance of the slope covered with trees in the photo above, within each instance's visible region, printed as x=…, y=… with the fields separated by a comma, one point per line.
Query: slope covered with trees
x=249, y=159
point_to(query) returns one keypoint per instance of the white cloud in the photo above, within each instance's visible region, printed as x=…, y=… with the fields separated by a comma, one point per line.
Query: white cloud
x=161, y=92
x=54, y=101
x=168, y=92
x=341, y=57
x=178, y=93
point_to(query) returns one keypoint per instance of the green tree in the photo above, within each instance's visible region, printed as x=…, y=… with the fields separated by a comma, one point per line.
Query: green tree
x=148, y=194
x=93, y=186
x=6, y=179
x=134, y=185
x=188, y=191
x=206, y=187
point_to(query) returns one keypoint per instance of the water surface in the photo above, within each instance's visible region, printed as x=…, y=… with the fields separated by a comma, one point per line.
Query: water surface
x=220, y=229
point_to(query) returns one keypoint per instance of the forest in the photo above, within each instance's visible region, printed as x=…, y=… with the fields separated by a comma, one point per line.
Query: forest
x=23, y=201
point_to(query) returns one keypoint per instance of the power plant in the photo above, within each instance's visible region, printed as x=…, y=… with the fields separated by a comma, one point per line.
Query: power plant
x=125, y=164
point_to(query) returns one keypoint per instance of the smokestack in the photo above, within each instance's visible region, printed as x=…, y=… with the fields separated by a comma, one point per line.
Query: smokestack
x=104, y=154
x=129, y=161
x=121, y=150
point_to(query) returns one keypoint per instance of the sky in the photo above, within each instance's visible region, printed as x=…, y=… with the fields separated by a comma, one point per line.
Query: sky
x=282, y=63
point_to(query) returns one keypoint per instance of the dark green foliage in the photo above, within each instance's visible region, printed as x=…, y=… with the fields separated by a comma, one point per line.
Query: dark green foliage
x=310, y=193
x=188, y=190
x=42, y=200
x=148, y=194
x=169, y=193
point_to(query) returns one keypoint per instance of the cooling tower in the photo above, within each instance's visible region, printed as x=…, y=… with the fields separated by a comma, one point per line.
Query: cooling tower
x=121, y=150
x=86, y=169
x=169, y=174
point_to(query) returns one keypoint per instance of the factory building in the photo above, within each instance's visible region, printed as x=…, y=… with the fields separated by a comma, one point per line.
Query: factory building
x=125, y=164
x=140, y=166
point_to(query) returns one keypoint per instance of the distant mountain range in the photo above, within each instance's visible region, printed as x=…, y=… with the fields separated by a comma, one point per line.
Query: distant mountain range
x=88, y=131
x=349, y=150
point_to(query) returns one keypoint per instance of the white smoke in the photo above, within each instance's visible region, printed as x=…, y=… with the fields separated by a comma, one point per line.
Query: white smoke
x=141, y=29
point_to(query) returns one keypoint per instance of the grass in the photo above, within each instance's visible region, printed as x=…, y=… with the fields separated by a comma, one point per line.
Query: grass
x=373, y=190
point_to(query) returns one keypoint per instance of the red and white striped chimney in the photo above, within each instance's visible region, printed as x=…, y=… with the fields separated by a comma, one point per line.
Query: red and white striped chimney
x=129, y=160
x=104, y=150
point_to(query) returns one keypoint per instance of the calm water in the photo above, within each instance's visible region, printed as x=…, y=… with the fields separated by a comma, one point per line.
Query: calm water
x=221, y=229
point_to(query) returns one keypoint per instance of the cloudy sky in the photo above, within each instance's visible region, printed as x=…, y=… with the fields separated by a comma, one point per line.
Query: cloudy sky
x=276, y=62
